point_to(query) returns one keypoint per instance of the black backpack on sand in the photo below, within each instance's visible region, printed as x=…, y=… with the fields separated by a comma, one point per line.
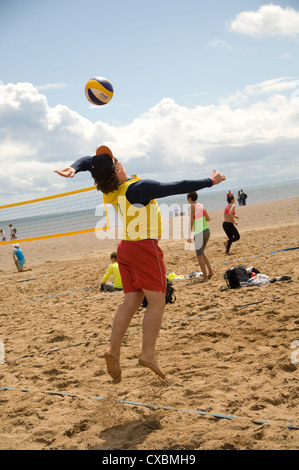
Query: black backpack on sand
x=234, y=276
x=170, y=297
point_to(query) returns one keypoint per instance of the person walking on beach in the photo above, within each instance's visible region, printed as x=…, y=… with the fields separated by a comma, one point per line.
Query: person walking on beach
x=2, y=235
x=19, y=258
x=12, y=232
x=139, y=256
x=199, y=225
x=229, y=223
x=239, y=198
x=243, y=197
x=113, y=270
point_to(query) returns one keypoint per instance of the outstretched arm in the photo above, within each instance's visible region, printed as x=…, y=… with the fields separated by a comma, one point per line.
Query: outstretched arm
x=83, y=164
x=144, y=190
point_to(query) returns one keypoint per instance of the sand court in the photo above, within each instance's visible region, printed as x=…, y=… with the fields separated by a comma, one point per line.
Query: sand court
x=230, y=357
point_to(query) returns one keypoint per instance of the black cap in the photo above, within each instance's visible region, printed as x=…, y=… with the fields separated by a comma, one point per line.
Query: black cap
x=102, y=163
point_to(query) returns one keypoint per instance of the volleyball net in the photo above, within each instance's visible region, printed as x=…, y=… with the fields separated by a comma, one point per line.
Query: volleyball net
x=71, y=213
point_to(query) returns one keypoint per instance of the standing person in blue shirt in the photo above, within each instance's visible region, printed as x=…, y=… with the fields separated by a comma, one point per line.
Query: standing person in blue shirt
x=243, y=198
x=19, y=258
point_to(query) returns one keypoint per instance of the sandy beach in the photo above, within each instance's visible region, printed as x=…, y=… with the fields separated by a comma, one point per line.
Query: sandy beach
x=231, y=357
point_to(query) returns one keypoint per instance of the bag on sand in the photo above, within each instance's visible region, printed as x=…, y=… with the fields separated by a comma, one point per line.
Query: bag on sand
x=170, y=297
x=234, y=276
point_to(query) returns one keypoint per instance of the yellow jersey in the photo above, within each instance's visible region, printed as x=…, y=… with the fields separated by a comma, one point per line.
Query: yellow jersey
x=139, y=222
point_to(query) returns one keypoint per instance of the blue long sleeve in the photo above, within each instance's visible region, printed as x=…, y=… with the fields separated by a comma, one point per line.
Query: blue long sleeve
x=143, y=191
x=83, y=164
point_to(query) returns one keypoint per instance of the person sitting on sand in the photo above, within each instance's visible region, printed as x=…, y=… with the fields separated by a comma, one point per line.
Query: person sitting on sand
x=113, y=270
x=139, y=256
x=199, y=225
x=229, y=224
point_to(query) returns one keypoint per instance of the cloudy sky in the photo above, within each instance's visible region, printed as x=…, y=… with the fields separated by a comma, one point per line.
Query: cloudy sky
x=198, y=85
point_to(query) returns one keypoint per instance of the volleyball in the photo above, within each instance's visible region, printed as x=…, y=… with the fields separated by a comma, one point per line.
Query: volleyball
x=99, y=91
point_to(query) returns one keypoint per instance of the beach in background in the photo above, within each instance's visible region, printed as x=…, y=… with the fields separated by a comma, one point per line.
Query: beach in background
x=86, y=210
x=230, y=357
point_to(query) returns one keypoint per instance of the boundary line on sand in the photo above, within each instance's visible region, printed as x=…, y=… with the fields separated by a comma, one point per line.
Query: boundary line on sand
x=154, y=407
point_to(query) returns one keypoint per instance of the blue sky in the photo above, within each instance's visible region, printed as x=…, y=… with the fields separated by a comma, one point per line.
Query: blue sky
x=198, y=85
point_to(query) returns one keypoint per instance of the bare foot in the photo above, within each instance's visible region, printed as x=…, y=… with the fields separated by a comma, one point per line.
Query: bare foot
x=113, y=367
x=210, y=275
x=153, y=366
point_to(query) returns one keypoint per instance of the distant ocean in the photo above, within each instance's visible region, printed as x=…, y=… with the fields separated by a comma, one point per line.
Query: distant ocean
x=91, y=214
x=216, y=198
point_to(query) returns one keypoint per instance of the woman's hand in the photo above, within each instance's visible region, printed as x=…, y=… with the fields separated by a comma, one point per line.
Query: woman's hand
x=217, y=177
x=68, y=172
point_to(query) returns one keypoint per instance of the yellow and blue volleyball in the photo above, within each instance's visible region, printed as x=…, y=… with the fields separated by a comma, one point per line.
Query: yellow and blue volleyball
x=99, y=91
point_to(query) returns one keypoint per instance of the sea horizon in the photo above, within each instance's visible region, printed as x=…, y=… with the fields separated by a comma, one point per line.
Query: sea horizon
x=70, y=219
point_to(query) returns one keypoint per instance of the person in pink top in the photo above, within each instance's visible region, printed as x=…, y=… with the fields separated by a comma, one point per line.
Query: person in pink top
x=229, y=223
x=199, y=225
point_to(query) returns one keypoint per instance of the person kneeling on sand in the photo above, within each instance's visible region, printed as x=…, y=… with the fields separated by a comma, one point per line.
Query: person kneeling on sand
x=19, y=258
x=139, y=257
x=113, y=270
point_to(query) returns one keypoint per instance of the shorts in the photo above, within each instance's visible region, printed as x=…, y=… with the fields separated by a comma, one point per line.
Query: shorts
x=141, y=266
x=200, y=241
x=21, y=263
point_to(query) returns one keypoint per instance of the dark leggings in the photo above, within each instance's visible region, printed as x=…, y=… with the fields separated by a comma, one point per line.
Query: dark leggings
x=232, y=234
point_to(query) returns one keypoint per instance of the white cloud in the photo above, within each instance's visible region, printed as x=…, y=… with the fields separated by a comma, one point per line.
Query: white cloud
x=168, y=142
x=51, y=86
x=277, y=85
x=268, y=20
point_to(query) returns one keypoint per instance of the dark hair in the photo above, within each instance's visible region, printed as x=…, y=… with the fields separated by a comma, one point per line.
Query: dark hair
x=107, y=185
x=193, y=196
x=113, y=255
x=230, y=198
